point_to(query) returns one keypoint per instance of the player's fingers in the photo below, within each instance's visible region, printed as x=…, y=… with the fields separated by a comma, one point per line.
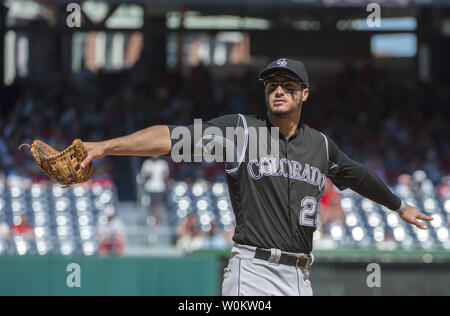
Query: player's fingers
x=86, y=162
x=87, y=148
x=420, y=225
x=424, y=217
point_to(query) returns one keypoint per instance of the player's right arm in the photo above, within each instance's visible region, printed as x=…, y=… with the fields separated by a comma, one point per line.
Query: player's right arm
x=151, y=141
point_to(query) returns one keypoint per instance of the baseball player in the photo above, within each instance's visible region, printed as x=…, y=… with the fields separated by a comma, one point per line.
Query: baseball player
x=275, y=198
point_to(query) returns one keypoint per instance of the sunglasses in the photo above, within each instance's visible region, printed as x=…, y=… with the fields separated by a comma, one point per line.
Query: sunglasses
x=286, y=85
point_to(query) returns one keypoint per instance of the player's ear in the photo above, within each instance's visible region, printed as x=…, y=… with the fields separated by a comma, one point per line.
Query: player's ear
x=305, y=94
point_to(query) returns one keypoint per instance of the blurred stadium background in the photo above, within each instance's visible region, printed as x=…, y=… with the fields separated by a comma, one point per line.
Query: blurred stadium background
x=152, y=227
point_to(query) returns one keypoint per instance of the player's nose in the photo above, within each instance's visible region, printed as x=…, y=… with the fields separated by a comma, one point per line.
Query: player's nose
x=279, y=91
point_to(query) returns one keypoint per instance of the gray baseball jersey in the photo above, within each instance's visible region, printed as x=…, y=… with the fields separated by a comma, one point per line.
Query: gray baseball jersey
x=276, y=198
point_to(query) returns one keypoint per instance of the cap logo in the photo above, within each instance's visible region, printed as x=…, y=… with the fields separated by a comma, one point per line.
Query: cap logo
x=282, y=62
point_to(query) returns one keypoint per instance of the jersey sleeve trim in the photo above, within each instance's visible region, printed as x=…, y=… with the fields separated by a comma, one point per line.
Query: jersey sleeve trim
x=241, y=159
x=326, y=145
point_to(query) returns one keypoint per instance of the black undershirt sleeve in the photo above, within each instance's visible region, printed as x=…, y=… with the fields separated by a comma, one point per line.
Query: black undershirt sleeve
x=347, y=173
x=373, y=188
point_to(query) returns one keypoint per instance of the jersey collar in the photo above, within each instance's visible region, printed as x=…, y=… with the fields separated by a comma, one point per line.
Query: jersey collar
x=294, y=136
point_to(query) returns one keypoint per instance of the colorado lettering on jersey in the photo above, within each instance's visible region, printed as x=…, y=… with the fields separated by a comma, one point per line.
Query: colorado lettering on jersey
x=271, y=167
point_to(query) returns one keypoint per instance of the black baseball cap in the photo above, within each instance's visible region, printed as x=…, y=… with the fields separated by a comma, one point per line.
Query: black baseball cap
x=296, y=67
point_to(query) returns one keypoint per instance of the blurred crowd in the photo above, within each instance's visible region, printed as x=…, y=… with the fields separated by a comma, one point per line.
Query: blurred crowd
x=391, y=125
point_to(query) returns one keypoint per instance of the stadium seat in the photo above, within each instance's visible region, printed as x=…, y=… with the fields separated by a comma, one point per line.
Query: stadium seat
x=64, y=219
x=366, y=224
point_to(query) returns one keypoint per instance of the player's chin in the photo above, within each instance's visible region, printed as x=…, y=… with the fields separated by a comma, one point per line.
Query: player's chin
x=280, y=111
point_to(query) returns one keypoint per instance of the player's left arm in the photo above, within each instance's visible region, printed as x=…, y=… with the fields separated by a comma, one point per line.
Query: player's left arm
x=347, y=173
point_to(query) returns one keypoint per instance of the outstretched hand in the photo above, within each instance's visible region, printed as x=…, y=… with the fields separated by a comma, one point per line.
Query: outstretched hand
x=411, y=215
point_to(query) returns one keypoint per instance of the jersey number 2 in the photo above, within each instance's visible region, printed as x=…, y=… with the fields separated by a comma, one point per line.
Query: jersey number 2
x=309, y=208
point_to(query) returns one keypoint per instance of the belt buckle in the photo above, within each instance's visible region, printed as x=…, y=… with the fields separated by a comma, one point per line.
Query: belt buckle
x=306, y=266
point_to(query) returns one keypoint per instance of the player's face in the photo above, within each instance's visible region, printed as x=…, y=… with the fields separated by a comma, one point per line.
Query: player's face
x=284, y=95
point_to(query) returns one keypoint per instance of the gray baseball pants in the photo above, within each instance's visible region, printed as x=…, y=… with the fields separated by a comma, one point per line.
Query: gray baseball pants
x=248, y=276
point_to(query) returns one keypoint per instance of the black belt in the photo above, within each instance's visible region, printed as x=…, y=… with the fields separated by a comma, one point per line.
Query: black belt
x=301, y=262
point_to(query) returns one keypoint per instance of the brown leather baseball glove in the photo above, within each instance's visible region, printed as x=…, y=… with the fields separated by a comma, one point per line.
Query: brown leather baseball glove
x=63, y=167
